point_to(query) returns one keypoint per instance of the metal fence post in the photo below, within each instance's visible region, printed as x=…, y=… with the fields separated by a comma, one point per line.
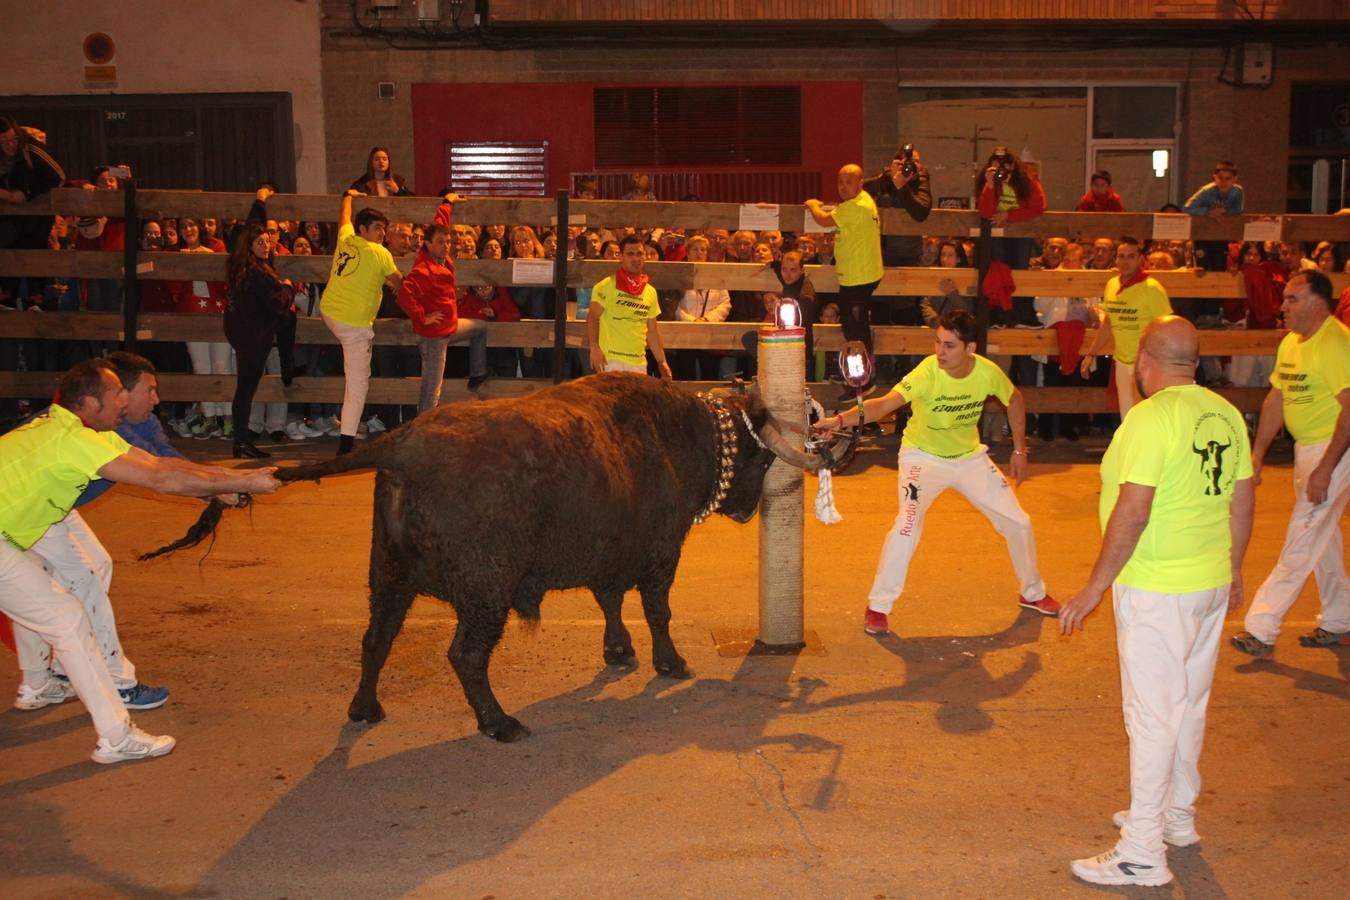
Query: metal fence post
x=560, y=292
x=131, y=294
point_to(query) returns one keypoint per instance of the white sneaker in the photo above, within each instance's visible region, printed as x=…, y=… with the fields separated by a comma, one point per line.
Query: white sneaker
x=374, y=425
x=329, y=425
x=1110, y=868
x=184, y=427
x=55, y=691
x=294, y=432
x=1179, y=833
x=136, y=745
x=310, y=431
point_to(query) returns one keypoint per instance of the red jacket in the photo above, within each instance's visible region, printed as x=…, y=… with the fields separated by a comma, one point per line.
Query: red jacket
x=430, y=287
x=185, y=301
x=1090, y=202
x=1265, y=293
x=504, y=309
x=1028, y=207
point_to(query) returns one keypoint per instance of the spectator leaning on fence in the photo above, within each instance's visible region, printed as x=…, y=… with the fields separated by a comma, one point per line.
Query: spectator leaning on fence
x=1219, y=199
x=361, y=268
x=27, y=170
x=1101, y=197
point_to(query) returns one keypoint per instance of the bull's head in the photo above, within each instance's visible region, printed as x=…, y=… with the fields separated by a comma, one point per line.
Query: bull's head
x=752, y=460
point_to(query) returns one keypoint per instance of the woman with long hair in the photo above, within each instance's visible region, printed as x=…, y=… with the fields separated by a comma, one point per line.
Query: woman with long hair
x=380, y=179
x=1008, y=193
x=259, y=302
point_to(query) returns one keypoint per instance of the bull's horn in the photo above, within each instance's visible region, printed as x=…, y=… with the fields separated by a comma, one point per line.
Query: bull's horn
x=785, y=450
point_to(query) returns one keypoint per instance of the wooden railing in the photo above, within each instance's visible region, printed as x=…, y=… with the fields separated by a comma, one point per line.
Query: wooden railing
x=889, y=340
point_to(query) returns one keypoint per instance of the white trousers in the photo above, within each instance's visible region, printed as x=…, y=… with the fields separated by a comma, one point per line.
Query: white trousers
x=356, y=347
x=1168, y=645
x=36, y=601
x=71, y=554
x=265, y=418
x=618, y=365
x=922, y=478
x=1126, y=397
x=1312, y=546
x=212, y=358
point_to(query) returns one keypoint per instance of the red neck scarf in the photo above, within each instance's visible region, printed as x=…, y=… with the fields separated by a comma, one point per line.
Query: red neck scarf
x=1131, y=282
x=630, y=284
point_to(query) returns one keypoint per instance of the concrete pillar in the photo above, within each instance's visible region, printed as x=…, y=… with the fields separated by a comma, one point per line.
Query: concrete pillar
x=782, y=386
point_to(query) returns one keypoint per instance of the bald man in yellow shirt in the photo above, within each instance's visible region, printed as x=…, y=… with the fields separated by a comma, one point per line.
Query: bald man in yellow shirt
x=1176, y=514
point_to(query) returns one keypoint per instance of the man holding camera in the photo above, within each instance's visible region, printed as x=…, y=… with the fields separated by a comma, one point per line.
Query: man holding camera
x=902, y=185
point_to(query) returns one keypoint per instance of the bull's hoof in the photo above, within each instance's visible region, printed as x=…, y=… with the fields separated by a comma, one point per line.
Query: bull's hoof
x=365, y=711
x=623, y=657
x=508, y=730
x=678, y=669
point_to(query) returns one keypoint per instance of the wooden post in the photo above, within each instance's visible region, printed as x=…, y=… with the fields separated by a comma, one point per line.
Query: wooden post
x=560, y=292
x=782, y=387
x=131, y=294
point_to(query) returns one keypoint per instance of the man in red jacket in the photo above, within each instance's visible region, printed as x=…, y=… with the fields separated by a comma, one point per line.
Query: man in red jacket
x=428, y=297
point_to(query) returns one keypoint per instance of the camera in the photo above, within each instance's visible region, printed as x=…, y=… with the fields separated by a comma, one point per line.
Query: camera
x=1002, y=162
x=908, y=167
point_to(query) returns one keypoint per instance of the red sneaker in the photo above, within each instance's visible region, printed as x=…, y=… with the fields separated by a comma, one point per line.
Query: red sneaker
x=1046, y=606
x=876, y=623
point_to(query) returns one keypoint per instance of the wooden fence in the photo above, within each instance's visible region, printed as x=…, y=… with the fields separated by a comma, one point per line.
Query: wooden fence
x=889, y=340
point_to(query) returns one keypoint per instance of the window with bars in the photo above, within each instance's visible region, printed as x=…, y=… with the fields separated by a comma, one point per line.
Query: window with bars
x=694, y=125
x=498, y=168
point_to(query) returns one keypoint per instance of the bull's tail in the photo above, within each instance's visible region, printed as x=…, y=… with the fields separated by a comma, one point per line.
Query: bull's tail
x=367, y=456
x=371, y=455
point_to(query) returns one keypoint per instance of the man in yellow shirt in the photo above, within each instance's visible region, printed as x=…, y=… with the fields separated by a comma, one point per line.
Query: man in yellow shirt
x=857, y=251
x=361, y=269
x=622, y=306
x=1309, y=396
x=941, y=448
x=45, y=464
x=1131, y=301
x=1176, y=513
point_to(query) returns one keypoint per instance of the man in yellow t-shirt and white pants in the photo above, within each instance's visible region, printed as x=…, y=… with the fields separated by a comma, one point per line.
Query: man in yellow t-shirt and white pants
x=857, y=251
x=362, y=266
x=1310, y=396
x=1176, y=514
x=618, y=327
x=1132, y=299
x=941, y=449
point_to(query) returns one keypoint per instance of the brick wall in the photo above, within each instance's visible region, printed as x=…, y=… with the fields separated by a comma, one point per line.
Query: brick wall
x=1218, y=121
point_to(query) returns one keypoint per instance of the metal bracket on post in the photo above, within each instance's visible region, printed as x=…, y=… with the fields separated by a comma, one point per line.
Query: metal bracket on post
x=560, y=292
x=131, y=294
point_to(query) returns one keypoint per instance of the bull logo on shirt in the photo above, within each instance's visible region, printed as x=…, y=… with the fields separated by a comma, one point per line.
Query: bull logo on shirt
x=344, y=257
x=1213, y=437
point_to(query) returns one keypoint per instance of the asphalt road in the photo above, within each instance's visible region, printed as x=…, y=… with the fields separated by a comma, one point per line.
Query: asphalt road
x=971, y=754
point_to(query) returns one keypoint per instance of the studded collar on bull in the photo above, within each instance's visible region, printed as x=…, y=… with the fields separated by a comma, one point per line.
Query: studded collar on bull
x=727, y=445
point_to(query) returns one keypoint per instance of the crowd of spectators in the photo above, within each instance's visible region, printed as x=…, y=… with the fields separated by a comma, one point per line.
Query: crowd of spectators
x=1008, y=190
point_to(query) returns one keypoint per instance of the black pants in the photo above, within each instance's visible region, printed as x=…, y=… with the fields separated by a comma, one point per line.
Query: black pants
x=250, y=361
x=855, y=313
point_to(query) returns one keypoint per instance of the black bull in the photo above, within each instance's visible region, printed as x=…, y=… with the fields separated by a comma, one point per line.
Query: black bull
x=593, y=483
